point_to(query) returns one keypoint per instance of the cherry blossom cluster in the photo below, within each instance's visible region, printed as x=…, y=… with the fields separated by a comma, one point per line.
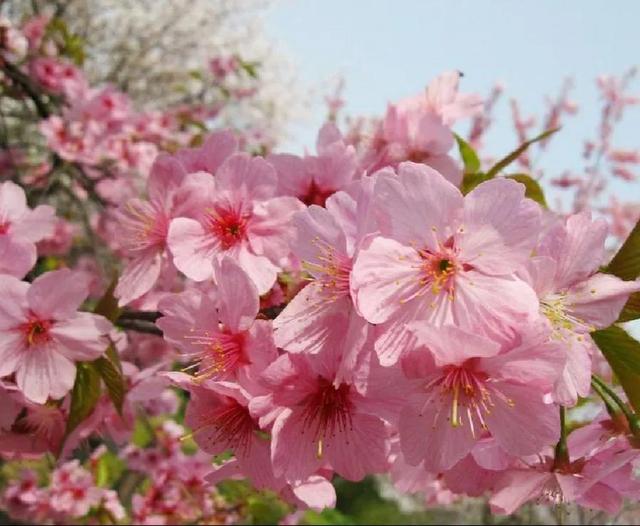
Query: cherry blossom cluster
x=437, y=333
x=181, y=309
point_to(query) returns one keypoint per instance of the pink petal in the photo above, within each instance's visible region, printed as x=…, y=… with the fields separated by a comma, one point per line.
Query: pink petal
x=82, y=337
x=316, y=492
x=450, y=345
x=518, y=487
x=208, y=158
x=309, y=320
x=426, y=434
x=261, y=270
x=415, y=203
x=577, y=247
x=35, y=224
x=45, y=373
x=292, y=177
x=270, y=231
x=238, y=297
x=492, y=304
x=294, y=447
x=252, y=177
x=193, y=250
x=16, y=257
x=510, y=419
x=167, y=173
x=358, y=449
x=316, y=232
x=447, y=166
x=57, y=294
x=575, y=380
x=498, y=239
x=138, y=277
x=13, y=302
x=385, y=275
x=599, y=300
x=12, y=351
x=13, y=203
x=536, y=361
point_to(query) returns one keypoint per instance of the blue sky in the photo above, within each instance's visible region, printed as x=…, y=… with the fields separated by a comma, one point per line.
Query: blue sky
x=388, y=50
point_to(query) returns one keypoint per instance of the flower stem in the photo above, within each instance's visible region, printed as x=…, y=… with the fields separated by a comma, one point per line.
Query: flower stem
x=561, y=457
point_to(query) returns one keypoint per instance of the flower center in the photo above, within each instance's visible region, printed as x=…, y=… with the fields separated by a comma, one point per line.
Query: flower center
x=554, y=307
x=439, y=270
x=228, y=225
x=222, y=354
x=36, y=332
x=315, y=195
x=232, y=425
x=4, y=227
x=332, y=271
x=328, y=411
x=468, y=395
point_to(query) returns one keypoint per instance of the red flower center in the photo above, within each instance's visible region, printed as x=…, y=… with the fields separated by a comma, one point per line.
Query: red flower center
x=315, y=195
x=232, y=425
x=329, y=410
x=223, y=353
x=4, y=227
x=36, y=331
x=228, y=225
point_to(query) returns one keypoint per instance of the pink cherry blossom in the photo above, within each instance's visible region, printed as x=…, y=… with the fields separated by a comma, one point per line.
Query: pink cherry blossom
x=313, y=178
x=574, y=297
x=20, y=228
x=444, y=259
x=146, y=226
x=326, y=242
x=42, y=334
x=235, y=213
x=219, y=331
x=468, y=388
x=318, y=421
x=598, y=481
x=419, y=129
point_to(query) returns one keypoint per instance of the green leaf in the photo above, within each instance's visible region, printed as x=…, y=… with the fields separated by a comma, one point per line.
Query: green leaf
x=250, y=68
x=506, y=161
x=107, y=305
x=109, y=469
x=626, y=263
x=326, y=516
x=470, y=181
x=623, y=354
x=468, y=155
x=533, y=190
x=84, y=396
x=142, y=434
x=631, y=310
x=109, y=368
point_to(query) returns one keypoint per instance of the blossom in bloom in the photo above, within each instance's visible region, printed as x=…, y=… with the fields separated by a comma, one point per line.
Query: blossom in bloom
x=145, y=225
x=219, y=416
x=419, y=129
x=313, y=178
x=318, y=421
x=444, y=259
x=599, y=481
x=20, y=228
x=59, y=76
x=469, y=388
x=219, y=331
x=325, y=242
x=42, y=334
x=574, y=297
x=235, y=213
